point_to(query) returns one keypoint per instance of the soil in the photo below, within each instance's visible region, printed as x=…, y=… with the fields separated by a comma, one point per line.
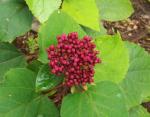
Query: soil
x=135, y=29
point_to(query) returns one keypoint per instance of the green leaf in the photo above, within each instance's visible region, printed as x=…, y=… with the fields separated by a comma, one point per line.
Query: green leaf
x=35, y=66
x=18, y=97
x=85, y=12
x=15, y=19
x=57, y=24
x=113, y=10
x=103, y=100
x=94, y=33
x=138, y=111
x=91, y=32
x=10, y=57
x=42, y=9
x=45, y=80
x=115, y=59
x=136, y=86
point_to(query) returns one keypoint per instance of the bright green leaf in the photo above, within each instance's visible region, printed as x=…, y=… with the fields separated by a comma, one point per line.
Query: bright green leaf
x=18, y=97
x=42, y=9
x=45, y=80
x=115, y=60
x=136, y=86
x=57, y=24
x=85, y=12
x=139, y=111
x=15, y=19
x=103, y=100
x=113, y=10
x=10, y=57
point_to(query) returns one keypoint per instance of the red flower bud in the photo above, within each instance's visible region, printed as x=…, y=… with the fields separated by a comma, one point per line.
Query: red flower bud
x=74, y=58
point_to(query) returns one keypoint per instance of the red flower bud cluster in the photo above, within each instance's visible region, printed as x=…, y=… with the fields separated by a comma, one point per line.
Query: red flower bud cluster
x=73, y=58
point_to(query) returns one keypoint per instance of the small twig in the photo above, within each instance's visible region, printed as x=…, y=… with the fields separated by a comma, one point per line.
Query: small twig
x=55, y=88
x=61, y=4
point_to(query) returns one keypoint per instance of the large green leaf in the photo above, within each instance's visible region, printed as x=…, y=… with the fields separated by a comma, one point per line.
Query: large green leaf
x=114, y=58
x=138, y=111
x=114, y=9
x=45, y=80
x=15, y=19
x=85, y=12
x=18, y=97
x=10, y=57
x=42, y=9
x=103, y=100
x=136, y=86
x=57, y=24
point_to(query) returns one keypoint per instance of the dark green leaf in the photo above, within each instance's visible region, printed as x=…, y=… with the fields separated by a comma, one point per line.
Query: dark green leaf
x=35, y=66
x=18, y=97
x=10, y=57
x=15, y=19
x=45, y=80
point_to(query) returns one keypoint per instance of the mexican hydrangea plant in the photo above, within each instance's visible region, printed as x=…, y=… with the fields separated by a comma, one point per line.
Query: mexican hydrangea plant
x=79, y=70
